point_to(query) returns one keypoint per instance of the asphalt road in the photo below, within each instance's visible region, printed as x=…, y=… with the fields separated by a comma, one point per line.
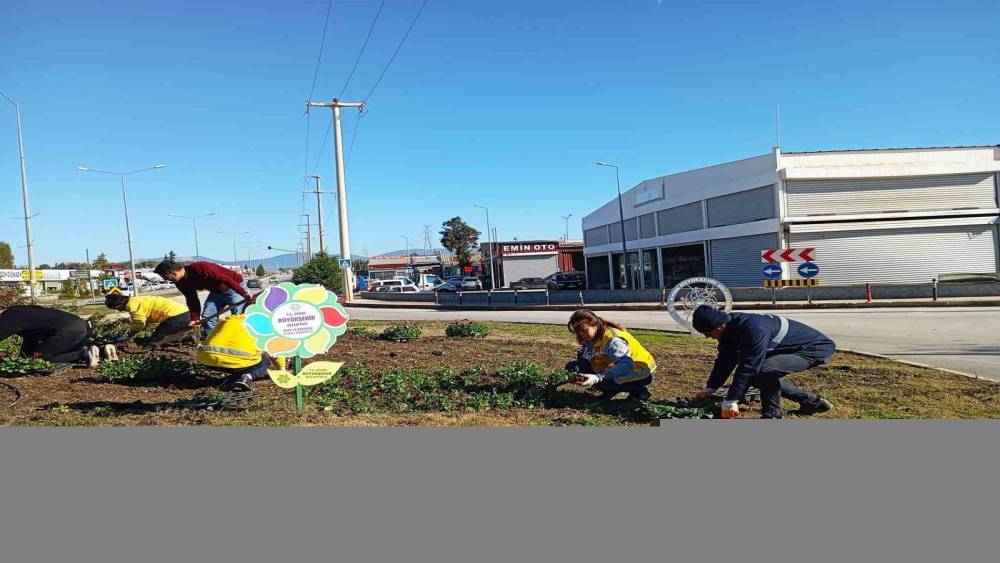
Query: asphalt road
x=964, y=339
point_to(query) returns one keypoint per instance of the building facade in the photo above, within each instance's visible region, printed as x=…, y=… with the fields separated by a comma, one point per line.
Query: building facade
x=879, y=215
x=515, y=260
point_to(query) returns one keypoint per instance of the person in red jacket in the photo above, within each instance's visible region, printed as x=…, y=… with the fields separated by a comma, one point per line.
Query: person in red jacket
x=225, y=287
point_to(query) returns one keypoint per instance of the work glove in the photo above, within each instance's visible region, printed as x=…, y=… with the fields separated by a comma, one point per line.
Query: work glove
x=730, y=409
x=704, y=393
x=586, y=379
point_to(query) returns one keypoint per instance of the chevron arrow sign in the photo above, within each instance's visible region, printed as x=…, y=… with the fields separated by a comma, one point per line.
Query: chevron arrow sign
x=778, y=255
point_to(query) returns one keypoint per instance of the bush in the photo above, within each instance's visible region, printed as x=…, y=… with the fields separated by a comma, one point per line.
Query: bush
x=466, y=329
x=114, y=330
x=25, y=366
x=362, y=332
x=11, y=296
x=401, y=332
x=10, y=345
x=137, y=368
x=321, y=270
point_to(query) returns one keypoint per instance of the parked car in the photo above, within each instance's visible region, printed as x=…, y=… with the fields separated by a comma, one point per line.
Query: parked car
x=529, y=283
x=402, y=289
x=566, y=280
x=253, y=284
x=471, y=284
x=445, y=287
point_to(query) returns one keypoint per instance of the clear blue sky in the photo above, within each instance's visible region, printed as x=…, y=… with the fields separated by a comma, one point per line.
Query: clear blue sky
x=507, y=104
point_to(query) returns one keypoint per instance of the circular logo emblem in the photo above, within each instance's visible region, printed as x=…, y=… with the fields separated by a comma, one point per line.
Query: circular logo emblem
x=691, y=293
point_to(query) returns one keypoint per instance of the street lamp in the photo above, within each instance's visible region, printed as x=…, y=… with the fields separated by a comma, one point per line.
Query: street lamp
x=194, y=222
x=409, y=260
x=566, y=218
x=24, y=198
x=621, y=220
x=296, y=252
x=489, y=240
x=235, y=235
x=128, y=230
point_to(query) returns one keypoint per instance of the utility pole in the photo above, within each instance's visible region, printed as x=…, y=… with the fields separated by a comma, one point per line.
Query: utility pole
x=427, y=239
x=27, y=207
x=493, y=281
x=319, y=213
x=309, y=237
x=338, y=157
x=566, y=218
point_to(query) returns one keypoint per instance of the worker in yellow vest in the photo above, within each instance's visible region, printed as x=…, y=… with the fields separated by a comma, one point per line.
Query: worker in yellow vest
x=172, y=317
x=231, y=350
x=610, y=359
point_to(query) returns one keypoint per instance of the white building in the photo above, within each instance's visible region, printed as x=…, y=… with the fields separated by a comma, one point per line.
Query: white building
x=879, y=215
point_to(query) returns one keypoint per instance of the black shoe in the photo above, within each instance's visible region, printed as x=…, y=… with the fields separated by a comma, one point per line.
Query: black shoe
x=238, y=383
x=606, y=396
x=643, y=395
x=821, y=405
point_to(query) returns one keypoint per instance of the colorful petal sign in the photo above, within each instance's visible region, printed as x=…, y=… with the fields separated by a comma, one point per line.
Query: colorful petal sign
x=296, y=320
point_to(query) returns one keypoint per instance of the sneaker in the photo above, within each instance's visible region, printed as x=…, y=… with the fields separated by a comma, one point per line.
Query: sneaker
x=606, y=396
x=92, y=354
x=643, y=395
x=821, y=405
x=237, y=383
x=109, y=352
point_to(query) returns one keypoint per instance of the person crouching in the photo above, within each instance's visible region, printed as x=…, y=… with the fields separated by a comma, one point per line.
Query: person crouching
x=610, y=359
x=231, y=350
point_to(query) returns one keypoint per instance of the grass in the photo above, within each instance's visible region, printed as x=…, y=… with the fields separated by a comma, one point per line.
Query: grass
x=494, y=381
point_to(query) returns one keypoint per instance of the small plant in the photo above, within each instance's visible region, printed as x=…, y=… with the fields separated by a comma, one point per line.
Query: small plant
x=466, y=329
x=116, y=330
x=17, y=366
x=10, y=345
x=362, y=332
x=400, y=333
x=137, y=368
x=680, y=409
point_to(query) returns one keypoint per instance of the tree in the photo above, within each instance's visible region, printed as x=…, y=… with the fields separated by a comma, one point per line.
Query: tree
x=101, y=262
x=322, y=270
x=260, y=270
x=6, y=256
x=461, y=239
x=170, y=256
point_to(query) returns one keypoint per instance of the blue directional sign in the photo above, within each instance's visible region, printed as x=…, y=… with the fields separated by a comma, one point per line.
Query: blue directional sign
x=808, y=270
x=345, y=263
x=108, y=284
x=771, y=271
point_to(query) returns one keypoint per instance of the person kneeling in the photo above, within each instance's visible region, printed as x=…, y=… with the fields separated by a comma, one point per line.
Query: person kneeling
x=763, y=349
x=610, y=359
x=231, y=350
x=46, y=332
x=173, y=317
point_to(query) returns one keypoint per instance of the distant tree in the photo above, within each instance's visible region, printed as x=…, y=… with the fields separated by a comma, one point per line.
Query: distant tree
x=44, y=267
x=359, y=266
x=461, y=239
x=322, y=270
x=6, y=256
x=101, y=262
x=260, y=270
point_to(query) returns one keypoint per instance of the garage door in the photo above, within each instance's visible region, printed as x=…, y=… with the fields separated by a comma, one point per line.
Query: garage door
x=914, y=255
x=517, y=267
x=736, y=261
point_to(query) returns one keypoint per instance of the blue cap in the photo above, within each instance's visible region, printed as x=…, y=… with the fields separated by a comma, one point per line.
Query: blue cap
x=707, y=318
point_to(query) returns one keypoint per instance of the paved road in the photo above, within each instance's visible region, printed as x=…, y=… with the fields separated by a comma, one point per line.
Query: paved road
x=963, y=339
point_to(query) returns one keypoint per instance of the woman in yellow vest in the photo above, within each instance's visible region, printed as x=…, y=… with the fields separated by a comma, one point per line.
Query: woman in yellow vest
x=232, y=350
x=173, y=317
x=610, y=360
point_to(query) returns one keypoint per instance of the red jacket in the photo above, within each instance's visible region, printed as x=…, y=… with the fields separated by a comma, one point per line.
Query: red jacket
x=207, y=276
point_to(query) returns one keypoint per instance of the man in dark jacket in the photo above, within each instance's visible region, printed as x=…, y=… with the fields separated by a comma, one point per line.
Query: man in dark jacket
x=56, y=335
x=763, y=349
x=224, y=286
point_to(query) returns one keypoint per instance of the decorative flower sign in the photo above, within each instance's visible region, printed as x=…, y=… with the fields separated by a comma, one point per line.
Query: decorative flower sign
x=290, y=320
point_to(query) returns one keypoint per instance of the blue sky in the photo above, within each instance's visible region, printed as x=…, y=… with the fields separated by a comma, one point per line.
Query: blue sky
x=506, y=104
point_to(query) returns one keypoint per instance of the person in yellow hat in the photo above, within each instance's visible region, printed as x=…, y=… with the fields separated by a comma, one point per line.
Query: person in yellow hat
x=232, y=350
x=173, y=317
x=610, y=360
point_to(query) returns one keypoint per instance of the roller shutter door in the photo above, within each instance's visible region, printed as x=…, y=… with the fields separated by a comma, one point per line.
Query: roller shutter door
x=912, y=255
x=736, y=261
x=742, y=207
x=887, y=195
x=680, y=219
x=517, y=267
x=596, y=237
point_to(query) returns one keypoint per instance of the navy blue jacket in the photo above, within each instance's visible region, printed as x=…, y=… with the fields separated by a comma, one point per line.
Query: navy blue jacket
x=749, y=338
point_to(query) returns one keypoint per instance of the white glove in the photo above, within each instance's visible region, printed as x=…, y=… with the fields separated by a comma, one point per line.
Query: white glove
x=730, y=409
x=590, y=379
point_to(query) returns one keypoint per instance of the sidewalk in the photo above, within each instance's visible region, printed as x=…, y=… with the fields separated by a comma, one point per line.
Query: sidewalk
x=650, y=306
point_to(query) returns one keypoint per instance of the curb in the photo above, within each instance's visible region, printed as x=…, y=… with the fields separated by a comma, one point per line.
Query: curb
x=658, y=307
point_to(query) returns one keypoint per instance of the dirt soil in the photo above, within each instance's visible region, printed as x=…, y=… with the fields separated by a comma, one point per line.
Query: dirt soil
x=860, y=387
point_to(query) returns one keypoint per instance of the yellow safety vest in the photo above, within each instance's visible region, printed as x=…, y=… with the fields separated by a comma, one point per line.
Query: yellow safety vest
x=229, y=346
x=644, y=364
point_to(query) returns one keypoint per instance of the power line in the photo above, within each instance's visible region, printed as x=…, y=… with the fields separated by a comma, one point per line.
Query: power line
x=398, y=47
x=319, y=58
x=363, y=47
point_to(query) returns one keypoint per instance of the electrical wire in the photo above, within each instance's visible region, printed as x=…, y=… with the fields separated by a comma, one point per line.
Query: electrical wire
x=396, y=52
x=362, y=52
x=322, y=43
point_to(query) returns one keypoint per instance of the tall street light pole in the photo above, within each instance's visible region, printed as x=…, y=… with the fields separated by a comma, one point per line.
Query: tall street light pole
x=338, y=158
x=409, y=261
x=296, y=252
x=566, y=219
x=194, y=222
x=236, y=236
x=24, y=197
x=489, y=239
x=128, y=229
x=621, y=220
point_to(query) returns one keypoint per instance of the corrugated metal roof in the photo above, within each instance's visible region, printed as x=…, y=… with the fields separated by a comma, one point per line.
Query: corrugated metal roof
x=892, y=149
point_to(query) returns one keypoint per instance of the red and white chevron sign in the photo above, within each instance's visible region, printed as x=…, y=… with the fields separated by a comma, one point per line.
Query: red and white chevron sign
x=776, y=255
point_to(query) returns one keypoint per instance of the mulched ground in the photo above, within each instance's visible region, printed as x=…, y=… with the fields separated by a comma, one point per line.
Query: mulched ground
x=860, y=387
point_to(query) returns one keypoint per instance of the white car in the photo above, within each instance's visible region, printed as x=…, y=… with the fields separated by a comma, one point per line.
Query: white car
x=407, y=288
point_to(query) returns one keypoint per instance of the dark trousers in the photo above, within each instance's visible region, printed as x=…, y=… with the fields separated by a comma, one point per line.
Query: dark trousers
x=773, y=385
x=257, y=372
x=607, y=385
x=62, y=347
x=173, y=325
